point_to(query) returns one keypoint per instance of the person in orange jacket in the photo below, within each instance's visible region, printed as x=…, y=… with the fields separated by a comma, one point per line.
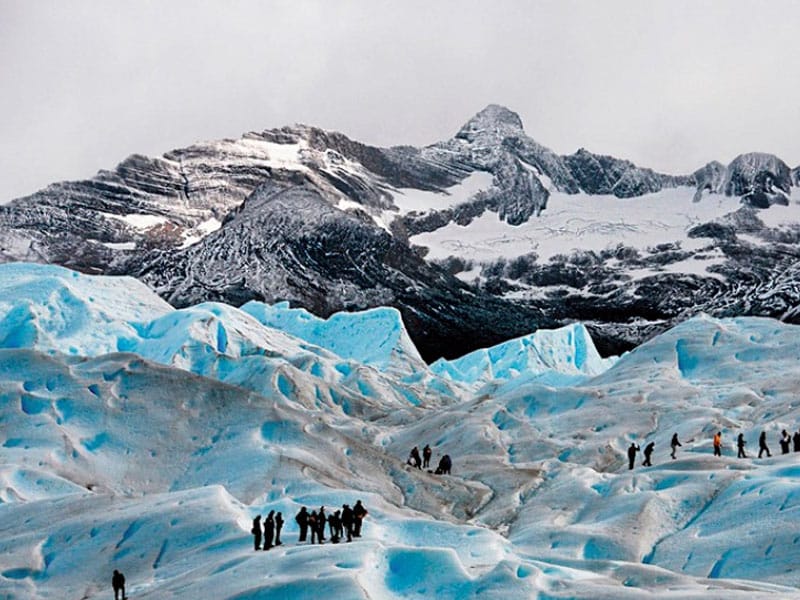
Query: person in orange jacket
x=718, y=444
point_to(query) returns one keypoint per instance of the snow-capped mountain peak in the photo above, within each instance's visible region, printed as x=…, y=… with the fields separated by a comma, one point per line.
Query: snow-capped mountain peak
x=488, y=232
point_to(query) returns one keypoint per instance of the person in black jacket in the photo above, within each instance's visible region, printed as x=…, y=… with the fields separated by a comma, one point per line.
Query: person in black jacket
x=762, y=444
x=426, y=457
x=312, y=525
x=256, y=531
x=278, y=527
x=648, y=452
x=445, y=464
x=269, y=530
x=118, y=583
x=796, y=440
x=347, y=521
x=413, y=458
x=785, y=442
x=322, y=520
x=632, y=450
x=359, y=512
x=740, y=443
x=302, y=522
x=674, y=444
x=335, y=524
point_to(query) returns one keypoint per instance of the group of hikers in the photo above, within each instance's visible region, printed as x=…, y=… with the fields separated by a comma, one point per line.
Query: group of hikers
x=424, y=462
x=786, y=441
x=347, y=521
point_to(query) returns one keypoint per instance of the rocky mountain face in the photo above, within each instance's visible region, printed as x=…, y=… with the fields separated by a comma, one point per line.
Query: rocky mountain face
x=328, y=223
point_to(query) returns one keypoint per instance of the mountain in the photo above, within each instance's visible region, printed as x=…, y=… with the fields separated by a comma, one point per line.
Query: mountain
x=477, y=239
x=145, y=438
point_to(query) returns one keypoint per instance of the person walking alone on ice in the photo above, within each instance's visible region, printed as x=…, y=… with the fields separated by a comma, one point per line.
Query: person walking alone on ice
x=740, y=443
x=674, y=444
x=118, y=583
x=718, y=444
x=632, y=450
x=762, y=445
x=648, y=452
x=426, y=457
x=256, y=531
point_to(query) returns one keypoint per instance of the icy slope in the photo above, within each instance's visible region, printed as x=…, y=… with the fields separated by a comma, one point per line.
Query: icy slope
x=169, y=500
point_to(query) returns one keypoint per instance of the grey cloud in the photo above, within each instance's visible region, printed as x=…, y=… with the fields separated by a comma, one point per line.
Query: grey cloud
x=668, y=85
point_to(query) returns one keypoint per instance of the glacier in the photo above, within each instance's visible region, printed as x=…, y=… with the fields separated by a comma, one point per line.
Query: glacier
x=144, y=438
x=564, y=356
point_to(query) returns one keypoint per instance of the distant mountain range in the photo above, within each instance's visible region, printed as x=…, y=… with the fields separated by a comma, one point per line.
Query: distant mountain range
x=477, y=239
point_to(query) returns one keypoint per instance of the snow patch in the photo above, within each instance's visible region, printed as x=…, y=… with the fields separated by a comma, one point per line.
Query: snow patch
x=414, y=200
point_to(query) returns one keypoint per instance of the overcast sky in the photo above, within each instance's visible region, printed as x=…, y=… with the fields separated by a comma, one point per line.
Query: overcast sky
x=669, y=85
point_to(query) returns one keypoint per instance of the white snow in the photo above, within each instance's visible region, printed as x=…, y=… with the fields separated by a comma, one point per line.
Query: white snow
x=153, y=457
x=414, y=200
x=120, y=245
x=202, y=230
x=580, y=222
x=141, y=222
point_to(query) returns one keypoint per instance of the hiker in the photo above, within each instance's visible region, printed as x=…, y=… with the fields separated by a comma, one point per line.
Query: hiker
x=312, y=525
x=426, y=457
x=785, y=442
x=740, y=443
x=322, y=521
x=278, y=527
x=632, y=450
x=256, y=531
x=347, y=521
x=335, y=525
x=445, y=464
x=359, y=512
x=118, y=583
x=674, y=444
x=648, y=452
x=413, y=458
x=718, y=444
x=269, y=529
x=796, y=440
x=762, y=445
x=302, y=521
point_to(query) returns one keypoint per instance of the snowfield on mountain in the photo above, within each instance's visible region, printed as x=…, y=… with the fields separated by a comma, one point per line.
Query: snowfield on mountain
x=140, y=437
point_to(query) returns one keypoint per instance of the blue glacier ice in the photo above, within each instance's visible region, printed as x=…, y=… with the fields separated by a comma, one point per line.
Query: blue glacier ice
x=560, y=357
x=375, y=337
x=140, y=437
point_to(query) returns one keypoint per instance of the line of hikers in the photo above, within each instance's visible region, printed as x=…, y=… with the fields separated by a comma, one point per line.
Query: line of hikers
x=424, y=462
x=786, y=441
x=345, y=521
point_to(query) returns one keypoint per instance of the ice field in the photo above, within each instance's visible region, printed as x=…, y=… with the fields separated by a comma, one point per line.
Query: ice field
x=137, y=437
